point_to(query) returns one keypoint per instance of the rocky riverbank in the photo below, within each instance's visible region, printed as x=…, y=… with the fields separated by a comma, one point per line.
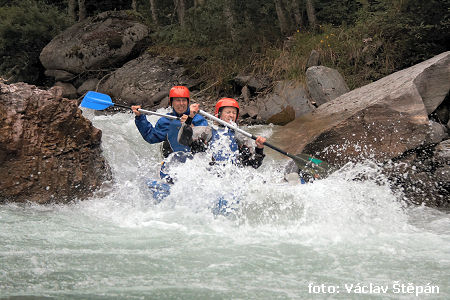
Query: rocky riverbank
x=401, y=121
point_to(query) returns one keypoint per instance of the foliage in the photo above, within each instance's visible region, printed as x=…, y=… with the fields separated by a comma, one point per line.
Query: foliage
x=387, y=36
x=338, y=12
x=25, y=28
x=207, y=26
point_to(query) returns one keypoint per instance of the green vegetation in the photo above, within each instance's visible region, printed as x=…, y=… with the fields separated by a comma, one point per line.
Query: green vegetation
x=25, y=28
x=365, y=40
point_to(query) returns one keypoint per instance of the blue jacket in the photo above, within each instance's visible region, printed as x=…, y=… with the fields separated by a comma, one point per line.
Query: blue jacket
x=166, y=131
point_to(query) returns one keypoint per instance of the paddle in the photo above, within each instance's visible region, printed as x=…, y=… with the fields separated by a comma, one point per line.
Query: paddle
x=99, y=101
x=306, y=163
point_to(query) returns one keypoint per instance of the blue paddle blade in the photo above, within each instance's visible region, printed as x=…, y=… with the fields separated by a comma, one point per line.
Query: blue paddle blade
x=97, y=101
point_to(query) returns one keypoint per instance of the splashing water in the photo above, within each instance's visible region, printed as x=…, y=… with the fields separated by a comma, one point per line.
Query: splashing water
x=335, y=237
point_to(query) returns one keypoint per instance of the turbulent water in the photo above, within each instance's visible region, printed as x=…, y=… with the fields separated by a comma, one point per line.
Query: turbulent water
x=336, y=238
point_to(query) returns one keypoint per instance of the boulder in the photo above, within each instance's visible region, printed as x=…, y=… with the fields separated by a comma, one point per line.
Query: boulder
x=254, y=83
x=287, y=101
x=442, y=113
x=381, y=120
x=96, y=42
x=48, y=151
x=88, y=85
x=313, y=59
x=67, y=89
x=423, y=175
x=245, y=93
x=145, y=80
x=436, y=133
x=60, y=75
x=325, y=84
x=429, y=84
x=249, y=111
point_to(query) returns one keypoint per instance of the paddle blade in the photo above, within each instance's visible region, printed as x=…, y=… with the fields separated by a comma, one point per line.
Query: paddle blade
x=97, y=101
x=319, y=169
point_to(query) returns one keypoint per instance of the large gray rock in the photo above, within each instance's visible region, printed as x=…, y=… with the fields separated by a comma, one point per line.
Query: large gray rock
x=288, y=101
x=88, y=85
x=380, y=120
x=325, y=84
x=97, y=42
x=429, y=84
x=67, y=89
x=145, y=80
x=437, y=133
x=442, y=113
x=254, y=83
x=60, y=75
x=313, y=59
x=48, y=151
x=383, y=121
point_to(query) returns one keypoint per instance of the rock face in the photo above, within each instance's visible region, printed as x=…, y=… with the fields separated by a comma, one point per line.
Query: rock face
x=380, y=120
x=48, y=151
x=104, y=40
x=145, y=80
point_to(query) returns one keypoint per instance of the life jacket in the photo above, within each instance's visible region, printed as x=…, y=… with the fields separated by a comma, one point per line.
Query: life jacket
x=224, y=145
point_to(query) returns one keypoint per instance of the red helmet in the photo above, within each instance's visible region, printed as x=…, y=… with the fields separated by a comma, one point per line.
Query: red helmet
x=224, y=102
x=178, y=92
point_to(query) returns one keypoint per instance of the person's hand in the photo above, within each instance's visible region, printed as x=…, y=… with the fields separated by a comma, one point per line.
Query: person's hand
x=135, y=108
x=260, y=141
x=194, y=109
x=183, y=118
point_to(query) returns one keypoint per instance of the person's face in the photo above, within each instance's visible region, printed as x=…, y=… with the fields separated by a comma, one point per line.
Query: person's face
x=228, y=114
x=180, y=105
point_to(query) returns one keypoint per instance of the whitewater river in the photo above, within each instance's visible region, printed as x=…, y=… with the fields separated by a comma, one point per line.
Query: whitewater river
x=333, y=239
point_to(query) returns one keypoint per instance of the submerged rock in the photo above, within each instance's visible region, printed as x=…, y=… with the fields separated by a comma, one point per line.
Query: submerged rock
x=48, y=151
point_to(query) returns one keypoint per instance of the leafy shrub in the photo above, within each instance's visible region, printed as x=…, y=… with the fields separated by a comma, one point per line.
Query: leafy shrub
x=25, y=28
x=337, y=12
x=387, y=36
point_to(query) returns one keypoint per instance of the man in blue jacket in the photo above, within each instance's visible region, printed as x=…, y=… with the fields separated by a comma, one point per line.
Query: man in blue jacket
x=165, y=129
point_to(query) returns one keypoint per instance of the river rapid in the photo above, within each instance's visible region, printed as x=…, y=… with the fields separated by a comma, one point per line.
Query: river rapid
x=336, y=238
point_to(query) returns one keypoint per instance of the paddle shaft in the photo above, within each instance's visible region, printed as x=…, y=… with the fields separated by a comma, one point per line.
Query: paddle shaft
x=148, y=112
x=247, y=134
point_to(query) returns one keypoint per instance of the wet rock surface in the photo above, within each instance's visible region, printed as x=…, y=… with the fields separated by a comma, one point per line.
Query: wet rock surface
x=48, y=151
